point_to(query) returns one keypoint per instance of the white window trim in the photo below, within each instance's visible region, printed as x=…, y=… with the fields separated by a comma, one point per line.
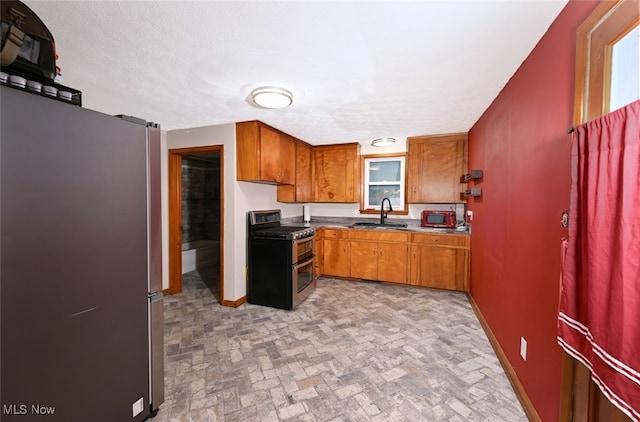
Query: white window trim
x=367, y=183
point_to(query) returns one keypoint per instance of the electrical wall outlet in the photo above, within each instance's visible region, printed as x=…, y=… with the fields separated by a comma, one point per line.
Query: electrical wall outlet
x=138, y=406
x=470, y=215
x=523, y=348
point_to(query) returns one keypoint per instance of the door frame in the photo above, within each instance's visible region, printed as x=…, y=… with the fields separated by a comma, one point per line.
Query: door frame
x=175, y=214
x=580, y=398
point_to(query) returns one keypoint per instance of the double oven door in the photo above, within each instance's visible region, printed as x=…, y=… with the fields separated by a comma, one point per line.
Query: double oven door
x=303, y=280
x=280, y=271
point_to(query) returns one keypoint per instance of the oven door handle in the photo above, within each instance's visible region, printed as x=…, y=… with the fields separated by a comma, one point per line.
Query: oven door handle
x=303, y=263
x=305, y=239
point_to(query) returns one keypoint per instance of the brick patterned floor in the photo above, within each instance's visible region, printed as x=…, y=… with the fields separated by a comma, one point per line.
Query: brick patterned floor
x=353, y=351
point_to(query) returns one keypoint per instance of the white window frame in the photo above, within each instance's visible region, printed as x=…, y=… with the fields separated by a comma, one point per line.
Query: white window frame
x=368, y=161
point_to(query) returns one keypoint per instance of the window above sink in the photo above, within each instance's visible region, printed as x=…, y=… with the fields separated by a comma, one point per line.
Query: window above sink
x=383, y=176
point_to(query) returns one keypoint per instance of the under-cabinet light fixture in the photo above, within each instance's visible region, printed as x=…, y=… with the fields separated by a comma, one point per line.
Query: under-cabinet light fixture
x=272, y=97
x=383, y=142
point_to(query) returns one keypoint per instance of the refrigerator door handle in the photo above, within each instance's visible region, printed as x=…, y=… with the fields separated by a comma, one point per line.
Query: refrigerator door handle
x=156, y=350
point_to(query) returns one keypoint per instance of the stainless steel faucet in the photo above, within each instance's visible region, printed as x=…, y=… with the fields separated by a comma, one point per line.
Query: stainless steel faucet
x=383, y=214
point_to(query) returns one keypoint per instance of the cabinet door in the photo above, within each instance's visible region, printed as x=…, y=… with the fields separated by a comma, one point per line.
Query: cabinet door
x=248, y=151
x=263, y=154
x=301, y=190
x=287, y=160
x=414, y=265
x=415, y=163
x=336, y=174
x=318, y=249
x=269, y=155
x=329, y=181
x=277, y=157
x=435, y=166
x=442, y=267
x=442, y=171
x=303, y=173
x=352, y=174
x=364, y=260
x=335, y=257
x=392, y=262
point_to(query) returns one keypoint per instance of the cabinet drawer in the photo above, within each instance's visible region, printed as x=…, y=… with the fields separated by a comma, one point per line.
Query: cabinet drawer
x=335, y=233
x=388, y=236
x=441, y=239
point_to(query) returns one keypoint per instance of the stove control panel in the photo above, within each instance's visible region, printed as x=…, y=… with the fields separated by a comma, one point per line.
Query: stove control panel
x=308, y=232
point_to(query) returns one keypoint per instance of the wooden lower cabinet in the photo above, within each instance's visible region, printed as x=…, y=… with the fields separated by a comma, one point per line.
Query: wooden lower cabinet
x=335, y=253
x=379, y=261
x=364, y=260
x=377, y=255
x=392, y=262
x=420, y=259
x=439, y=261
x=318, y=248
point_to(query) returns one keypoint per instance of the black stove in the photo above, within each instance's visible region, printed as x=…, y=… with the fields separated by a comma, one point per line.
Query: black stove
x=280, y=261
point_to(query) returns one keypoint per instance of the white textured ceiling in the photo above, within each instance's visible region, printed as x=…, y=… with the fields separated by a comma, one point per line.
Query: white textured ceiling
x=358, y=70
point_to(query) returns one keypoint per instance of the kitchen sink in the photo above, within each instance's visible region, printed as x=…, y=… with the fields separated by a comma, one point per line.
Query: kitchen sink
x=370, y=224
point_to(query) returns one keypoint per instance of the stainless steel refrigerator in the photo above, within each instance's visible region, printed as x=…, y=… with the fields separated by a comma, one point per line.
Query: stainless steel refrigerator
x=80, y=263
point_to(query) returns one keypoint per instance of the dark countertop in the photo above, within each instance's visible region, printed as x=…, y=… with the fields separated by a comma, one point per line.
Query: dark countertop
x=347, y=222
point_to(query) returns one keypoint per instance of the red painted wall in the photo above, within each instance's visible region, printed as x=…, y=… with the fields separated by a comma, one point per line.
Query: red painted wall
x=521, y=144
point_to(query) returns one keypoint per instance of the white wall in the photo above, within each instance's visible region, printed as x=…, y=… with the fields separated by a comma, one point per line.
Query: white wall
x=239, y=198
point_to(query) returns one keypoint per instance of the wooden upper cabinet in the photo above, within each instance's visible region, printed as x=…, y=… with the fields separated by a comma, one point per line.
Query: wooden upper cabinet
x=277, y=156
x=435, y=167
x=301, y=190
x=303, y=173
x=336, y=173
x=264, y=154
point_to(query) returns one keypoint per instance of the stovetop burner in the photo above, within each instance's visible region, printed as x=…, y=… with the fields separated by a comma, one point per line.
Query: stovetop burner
x=266, y=224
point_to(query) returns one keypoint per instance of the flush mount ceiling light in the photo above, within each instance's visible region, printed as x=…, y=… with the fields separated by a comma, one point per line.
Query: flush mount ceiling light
x=272, y=97
x=383, y=142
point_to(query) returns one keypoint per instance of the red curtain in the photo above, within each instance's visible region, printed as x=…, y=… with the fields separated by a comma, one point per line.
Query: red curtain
x=599, y=316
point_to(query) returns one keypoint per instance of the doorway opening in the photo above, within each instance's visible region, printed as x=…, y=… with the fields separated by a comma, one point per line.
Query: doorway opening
x=196, y=237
